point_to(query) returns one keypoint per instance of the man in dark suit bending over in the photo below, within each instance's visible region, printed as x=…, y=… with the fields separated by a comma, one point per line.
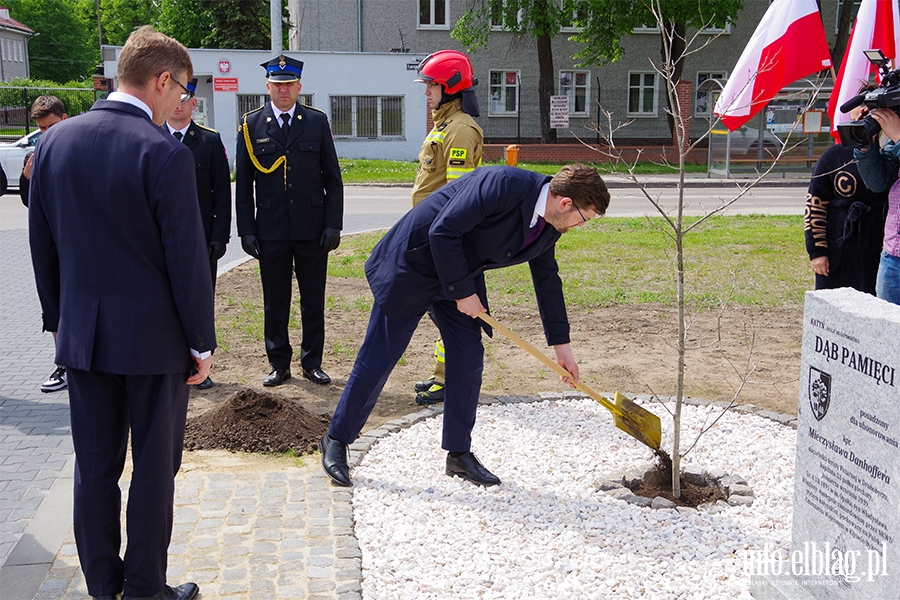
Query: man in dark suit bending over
x=436, y=256
x=122, y=272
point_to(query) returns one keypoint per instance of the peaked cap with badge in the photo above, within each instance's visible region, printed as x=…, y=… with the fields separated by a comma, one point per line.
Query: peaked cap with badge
x=283, y=69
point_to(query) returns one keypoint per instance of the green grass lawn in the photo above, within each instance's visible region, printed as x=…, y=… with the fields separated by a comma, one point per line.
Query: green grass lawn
x=729, y=260
x=361, y=171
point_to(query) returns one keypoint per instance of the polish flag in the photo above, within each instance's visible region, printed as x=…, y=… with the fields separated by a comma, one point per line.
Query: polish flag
x=877, y=27
x=789, y=43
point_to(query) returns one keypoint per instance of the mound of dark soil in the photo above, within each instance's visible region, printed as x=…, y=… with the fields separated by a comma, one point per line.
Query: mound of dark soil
x=252, y=421
x=691, y=495
x=659, y=483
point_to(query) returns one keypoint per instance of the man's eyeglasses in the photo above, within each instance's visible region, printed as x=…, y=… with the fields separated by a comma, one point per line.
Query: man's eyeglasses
x=583, y=220
x=189, y=91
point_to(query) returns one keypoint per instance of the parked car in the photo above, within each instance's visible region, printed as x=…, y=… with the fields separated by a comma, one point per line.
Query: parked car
x=12, y=156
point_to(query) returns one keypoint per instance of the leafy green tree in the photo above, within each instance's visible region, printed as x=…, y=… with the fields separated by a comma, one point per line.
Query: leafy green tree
x=542, y=19
x=190, y=32
x=120, y=17
x=65, y=48
x=603, y=24
x=240, y=24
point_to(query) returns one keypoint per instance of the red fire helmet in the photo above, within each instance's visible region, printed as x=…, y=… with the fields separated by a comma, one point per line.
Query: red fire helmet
x=450, y=68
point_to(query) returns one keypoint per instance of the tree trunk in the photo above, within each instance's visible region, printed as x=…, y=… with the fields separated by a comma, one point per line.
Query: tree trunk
x=843, y=34
x=672, y=53
x=545, y=86
x=679, y=390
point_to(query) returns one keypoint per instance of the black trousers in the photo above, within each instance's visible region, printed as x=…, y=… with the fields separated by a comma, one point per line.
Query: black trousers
x=278, y=261
x=104, y=408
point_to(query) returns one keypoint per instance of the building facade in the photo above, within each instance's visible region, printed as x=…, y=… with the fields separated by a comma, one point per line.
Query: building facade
x=375, y=108
x=360, y=61
x=507, y=69
x=13, y=47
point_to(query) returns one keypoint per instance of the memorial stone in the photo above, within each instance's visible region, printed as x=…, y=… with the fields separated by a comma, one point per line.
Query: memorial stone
x=845, y=541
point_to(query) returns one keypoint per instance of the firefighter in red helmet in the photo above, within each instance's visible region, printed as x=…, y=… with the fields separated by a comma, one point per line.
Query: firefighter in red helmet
x=453, y=148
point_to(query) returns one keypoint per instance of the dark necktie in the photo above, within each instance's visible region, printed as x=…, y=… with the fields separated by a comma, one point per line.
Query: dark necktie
x=533, y=233
x=286, y=124
x=177, y=135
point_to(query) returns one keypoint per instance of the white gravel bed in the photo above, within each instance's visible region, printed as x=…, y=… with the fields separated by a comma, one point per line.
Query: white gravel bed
x=547, y=531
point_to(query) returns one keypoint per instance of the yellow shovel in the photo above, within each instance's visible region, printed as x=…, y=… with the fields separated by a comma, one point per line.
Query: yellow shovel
x=638, y=422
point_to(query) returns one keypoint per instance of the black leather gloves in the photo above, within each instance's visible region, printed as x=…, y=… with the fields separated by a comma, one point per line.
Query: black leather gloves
x=216, y=250
x=331, y=239
x=250, y=245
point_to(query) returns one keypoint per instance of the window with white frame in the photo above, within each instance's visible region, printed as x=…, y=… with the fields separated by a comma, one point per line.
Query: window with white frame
x=434, y=14
x=578, y=15
x=575, y=85
x=646, y=28
x=703, y=99
x=501, y=14
x=642, y=96
x=372, y=117
x=504, y=92
x=714, y=30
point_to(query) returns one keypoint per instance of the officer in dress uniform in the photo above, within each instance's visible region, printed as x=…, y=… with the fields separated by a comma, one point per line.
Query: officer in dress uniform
x=453, y=147
x=286, y=152
x=213, y=180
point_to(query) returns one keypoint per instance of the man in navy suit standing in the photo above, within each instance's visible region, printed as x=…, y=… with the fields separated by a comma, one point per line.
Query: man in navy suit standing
x=122, y=273
x=436, y=256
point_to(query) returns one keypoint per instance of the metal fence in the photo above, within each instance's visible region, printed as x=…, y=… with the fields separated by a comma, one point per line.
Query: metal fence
x=15, y=104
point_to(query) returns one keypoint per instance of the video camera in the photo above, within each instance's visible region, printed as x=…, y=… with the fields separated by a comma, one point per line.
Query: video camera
x=859, y=134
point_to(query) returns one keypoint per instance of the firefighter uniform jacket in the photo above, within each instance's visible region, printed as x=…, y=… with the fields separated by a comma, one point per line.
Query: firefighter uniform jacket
x=453, y=148
x=300, y=196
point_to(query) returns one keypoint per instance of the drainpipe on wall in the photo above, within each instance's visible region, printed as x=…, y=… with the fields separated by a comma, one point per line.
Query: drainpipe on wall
x=359, y=25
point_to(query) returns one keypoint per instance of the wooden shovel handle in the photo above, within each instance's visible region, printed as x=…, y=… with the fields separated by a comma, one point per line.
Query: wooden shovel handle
x=550, y=363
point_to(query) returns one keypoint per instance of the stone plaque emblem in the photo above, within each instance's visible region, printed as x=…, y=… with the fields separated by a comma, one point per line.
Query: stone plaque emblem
x=819, y=392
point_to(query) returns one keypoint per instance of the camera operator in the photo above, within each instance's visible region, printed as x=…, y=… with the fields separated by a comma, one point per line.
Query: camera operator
x=844, y=221
x=879, y=168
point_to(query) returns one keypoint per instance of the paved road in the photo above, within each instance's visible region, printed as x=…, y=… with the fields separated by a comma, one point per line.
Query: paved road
x=36, y=461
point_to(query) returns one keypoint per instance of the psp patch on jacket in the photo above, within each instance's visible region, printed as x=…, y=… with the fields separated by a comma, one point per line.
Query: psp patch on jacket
x=458, y=156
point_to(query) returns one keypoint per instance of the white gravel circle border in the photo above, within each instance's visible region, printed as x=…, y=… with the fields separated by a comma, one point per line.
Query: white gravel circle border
x=547, y=531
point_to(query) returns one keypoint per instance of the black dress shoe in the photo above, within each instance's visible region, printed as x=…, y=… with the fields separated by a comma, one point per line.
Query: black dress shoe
x=205, y=384
x=185, y=591
x=277, y=377
x=317, y=375
x=468, y=467
x=107, y=597
x=334, y=459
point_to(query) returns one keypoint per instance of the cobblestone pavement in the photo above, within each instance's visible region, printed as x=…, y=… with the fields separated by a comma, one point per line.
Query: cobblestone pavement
x=35, y=447
x=243, y=530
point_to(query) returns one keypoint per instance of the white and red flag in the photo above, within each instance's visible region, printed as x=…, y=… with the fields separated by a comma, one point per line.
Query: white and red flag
x=877, y=27
x=789, y=43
